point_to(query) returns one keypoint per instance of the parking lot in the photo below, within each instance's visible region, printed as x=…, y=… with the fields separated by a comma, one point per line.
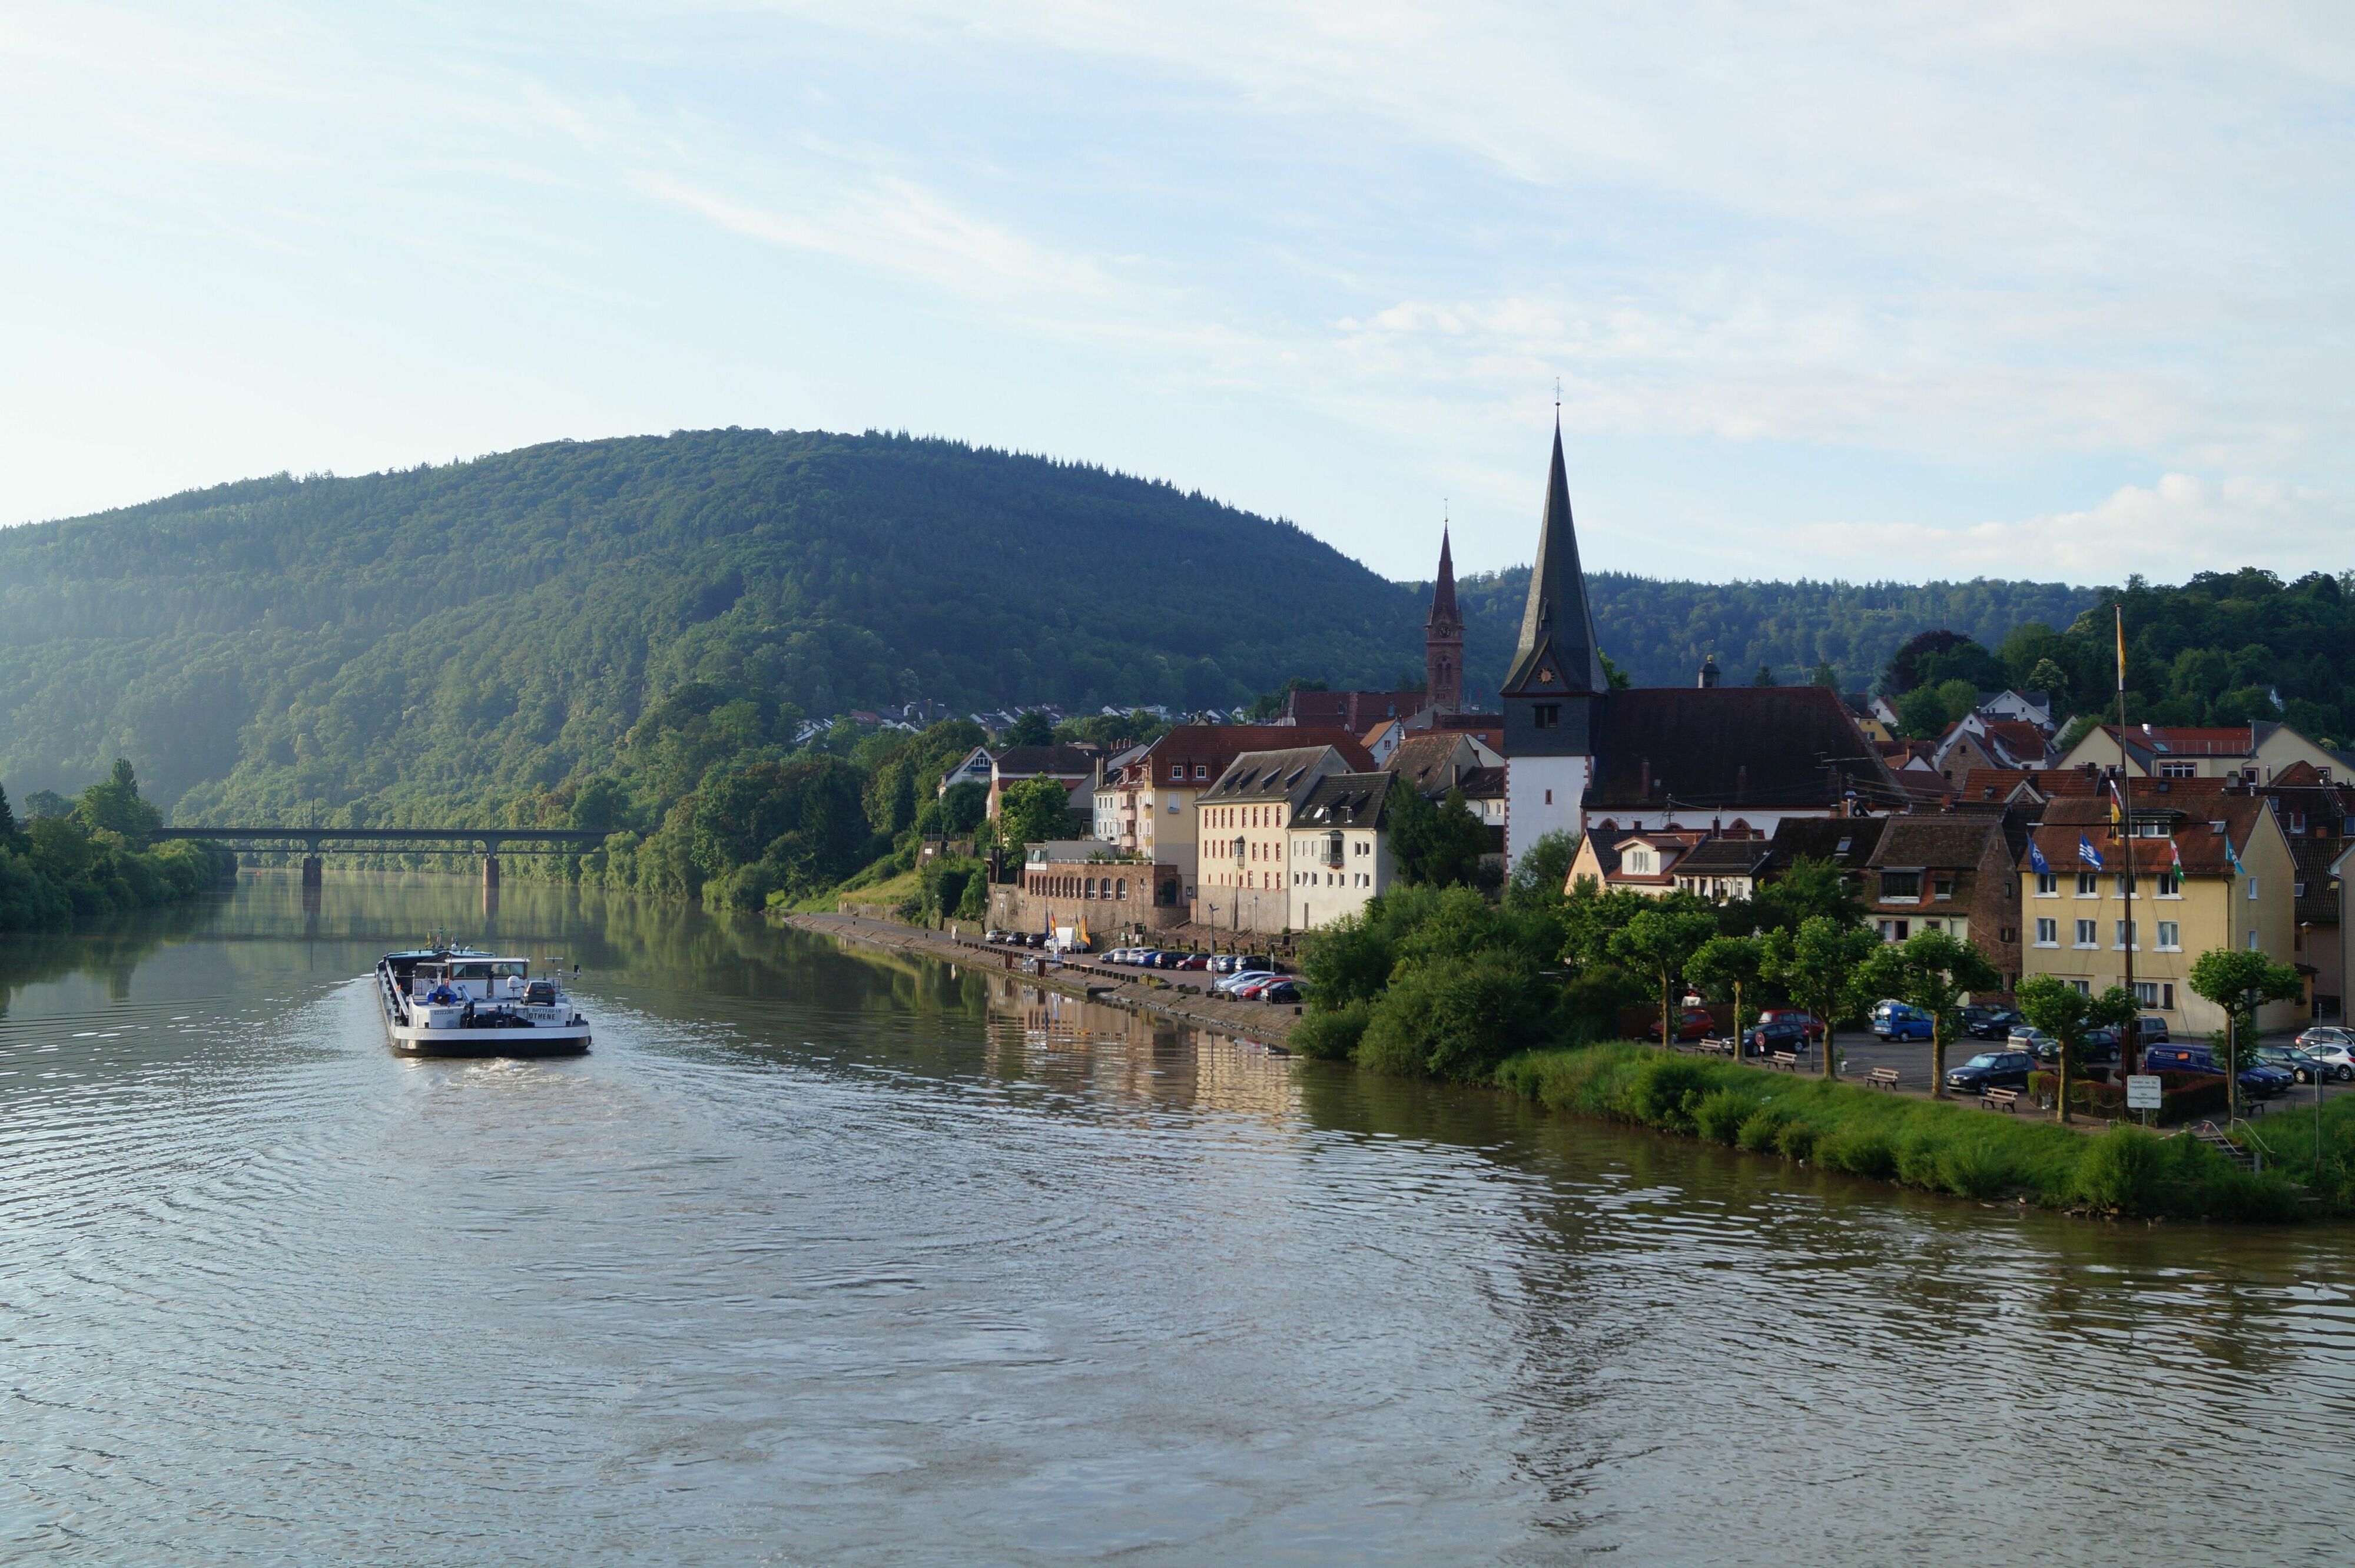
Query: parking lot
x=1911, y=1058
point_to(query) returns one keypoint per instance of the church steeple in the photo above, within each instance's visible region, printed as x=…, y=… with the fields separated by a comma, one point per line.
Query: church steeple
x=1443, y=637
x=1556, y=681
x=1557, y=621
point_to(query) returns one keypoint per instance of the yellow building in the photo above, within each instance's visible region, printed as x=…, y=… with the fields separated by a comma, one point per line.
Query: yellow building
x=2212, y=870
x=2249, y=753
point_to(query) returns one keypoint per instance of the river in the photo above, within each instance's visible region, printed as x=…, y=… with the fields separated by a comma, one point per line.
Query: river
x=826, y=1257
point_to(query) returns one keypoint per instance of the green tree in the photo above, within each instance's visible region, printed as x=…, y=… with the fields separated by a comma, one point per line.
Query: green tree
x=1031, y=728
x=1729, y=966
x=114, y=804
x=1765, y=676
x=1817, y=966
x=2240, y=982
x=1808, y=887
x=2068, y=1015
x=1934, y=971
x=1656, y=943
x=1541, y=872
x=1825, y=676
x=1435, y=845
x=1035, y=811
x=963, y=807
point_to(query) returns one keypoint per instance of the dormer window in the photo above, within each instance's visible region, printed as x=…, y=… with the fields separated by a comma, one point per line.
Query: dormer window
x=1900, y=887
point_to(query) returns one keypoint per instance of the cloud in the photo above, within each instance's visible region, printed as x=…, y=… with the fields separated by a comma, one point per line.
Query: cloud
x=2166, y=531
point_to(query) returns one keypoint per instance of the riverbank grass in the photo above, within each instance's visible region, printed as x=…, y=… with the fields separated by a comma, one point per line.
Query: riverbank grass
x=1935, y=1146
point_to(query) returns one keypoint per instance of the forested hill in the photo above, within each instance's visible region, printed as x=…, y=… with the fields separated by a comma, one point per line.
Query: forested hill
x=443, y=639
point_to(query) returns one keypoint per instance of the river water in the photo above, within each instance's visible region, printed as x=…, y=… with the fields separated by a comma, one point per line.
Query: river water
x=826, y=1257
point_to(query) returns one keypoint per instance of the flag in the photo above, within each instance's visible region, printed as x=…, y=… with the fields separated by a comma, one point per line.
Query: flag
x=2176, y=855
x=2122, y=648
x=2087, y=853
x=2229, y=855
x=2036, y=858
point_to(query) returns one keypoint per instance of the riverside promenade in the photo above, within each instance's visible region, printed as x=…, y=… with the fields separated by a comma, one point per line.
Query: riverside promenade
x=1181, y=995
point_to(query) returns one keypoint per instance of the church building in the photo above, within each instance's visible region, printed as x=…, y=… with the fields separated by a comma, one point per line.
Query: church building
x=1719, y=759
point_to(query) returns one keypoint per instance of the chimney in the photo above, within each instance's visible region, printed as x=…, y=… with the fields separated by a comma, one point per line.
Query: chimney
x=1709, y=673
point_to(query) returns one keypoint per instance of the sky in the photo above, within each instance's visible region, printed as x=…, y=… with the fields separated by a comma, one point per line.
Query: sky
x=1865, y=291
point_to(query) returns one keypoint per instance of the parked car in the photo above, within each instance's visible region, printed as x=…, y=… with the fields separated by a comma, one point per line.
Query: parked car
x=2260, y=1080
x=1692, y=1023
x=2340, y=1059
x=1195, y=961
x=2302, y=1066
x=1231, y=984
x=2326, y=1034
x=1897, y=1020
x=2154, y=1031
x=1258, y=988
x=2029, y=1039
x=1988, y=1023
x=1785, y=1033
x=1991, y=1070
x=1814, y=1025
x=1033, y=939
x=1280, y=991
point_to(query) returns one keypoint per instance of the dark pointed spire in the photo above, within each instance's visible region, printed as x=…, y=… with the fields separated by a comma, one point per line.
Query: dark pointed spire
x=1443, y=597
x=1557, y=625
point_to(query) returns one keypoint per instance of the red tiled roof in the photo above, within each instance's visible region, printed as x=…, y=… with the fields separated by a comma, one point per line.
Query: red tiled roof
x=2199, y=846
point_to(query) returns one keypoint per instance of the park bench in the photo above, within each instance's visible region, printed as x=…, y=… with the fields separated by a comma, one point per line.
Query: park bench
x=2000, y=1100
x=1882, y=1078
x=1787, y=1062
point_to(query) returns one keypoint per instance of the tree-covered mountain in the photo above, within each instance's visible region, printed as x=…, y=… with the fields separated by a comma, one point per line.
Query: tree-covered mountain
x=453, y=641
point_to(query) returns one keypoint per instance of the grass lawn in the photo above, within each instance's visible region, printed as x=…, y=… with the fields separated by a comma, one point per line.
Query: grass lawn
x=1937, y=1147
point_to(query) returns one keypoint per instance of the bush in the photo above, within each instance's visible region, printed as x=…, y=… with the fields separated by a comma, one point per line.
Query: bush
x=1719, y=1115
x=1858, y=1153
x=1331, y=1036
x=1761, y=1130
x=1795, y=1140
x=2182, y=1096
x=2122, y=1171
x=1665, y=1091
x=1456, y=1022
x=1971, y=1168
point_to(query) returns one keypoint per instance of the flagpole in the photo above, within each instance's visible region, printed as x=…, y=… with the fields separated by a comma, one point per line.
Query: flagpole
x=2130, y=1042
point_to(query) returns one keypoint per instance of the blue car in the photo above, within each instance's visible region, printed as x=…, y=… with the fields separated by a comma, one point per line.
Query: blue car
x=1897, y=1020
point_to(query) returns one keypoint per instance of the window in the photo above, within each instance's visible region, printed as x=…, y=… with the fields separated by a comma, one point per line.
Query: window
x=2253, y=941
x=2084, y=987
x=2125, y=935
x=1896, y=930
x=2170, y=936
x=1548, y=797
x=2151, y=830
x=2009, y=934
x=2170, y=885
x=1201, y=770
x=1176, y=770
x=2124, y=891
x=2155, y=994
x=2179, y=770
x=1900, y=887
x=2048, y=884
x=2298, y=889
x=2297, y=822
x=2253, y=889
x=2088, y=886
x=1941, y=888
x=1545, y=715
x=2088, y=934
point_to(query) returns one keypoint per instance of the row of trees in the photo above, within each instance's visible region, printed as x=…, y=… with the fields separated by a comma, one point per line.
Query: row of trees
x=93, y=857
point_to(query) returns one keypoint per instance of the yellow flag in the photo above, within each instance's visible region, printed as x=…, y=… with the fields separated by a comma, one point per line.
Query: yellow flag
x=2122, y=647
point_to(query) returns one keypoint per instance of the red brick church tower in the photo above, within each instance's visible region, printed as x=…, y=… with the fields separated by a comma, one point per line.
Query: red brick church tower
x=1442, y=639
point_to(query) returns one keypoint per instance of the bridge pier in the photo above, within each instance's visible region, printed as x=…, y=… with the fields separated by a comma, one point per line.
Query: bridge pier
x=490, y=873
x=313, y=871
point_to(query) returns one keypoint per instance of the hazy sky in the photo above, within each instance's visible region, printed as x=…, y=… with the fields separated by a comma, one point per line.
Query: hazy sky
x=1883, y=289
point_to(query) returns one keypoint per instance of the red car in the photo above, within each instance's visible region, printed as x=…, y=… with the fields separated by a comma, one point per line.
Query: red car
x=1694, y=1023
x=1792, y=1015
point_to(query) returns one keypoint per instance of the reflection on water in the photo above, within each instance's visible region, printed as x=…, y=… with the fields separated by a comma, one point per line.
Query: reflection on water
x=831, y=1255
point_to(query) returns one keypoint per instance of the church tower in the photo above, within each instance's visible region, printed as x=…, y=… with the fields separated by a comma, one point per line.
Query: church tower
x=1554, y=693
x=1442, y=639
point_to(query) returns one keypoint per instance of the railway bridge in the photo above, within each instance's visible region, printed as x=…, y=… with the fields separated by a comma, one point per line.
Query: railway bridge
x=314, y=843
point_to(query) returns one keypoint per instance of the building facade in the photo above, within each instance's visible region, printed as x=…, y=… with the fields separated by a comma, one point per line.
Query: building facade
x=1244, y=825
x=1340, y=858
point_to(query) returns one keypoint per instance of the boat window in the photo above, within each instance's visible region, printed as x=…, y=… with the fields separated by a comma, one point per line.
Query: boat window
x=502, y=968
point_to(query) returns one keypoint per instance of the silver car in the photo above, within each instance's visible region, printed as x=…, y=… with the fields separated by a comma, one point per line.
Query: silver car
x=2336, y=1055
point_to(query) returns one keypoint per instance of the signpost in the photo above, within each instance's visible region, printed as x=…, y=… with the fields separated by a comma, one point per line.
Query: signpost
x=2143, y=1089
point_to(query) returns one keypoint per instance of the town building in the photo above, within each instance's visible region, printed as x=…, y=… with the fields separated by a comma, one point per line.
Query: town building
x=1712, y=757
x=2253, y=753
x=1443, y=638
x=1245, y=823
x=1340, y=858
x=2213, y=869
x=1073, y=767
x=1954, y=873
x=2314, y=812
x=974, y=769
x=1146, y=804
x=1083, y=888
